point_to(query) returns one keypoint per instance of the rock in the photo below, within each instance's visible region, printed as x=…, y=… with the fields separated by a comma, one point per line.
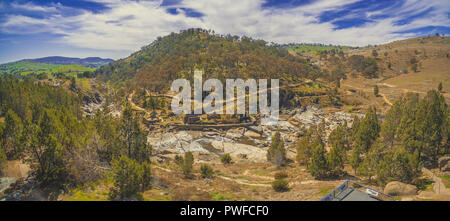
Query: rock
x=5, y=182
x=444, y=164
x=396, y=188
x=253, y=134
x=235, y=133
x=238, y=150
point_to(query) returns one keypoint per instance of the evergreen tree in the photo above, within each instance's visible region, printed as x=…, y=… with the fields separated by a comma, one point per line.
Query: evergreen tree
x=318, y=167
x=48, y=152
x=133, y=137
x=375, y=90
x=276, y=152
x=367, y=131
x=336, y=159
x=431, y=120
x=11, y=136
x=130, y=177
x=304, y=150
x=355, y=159
x=188, y=162
x=389, y=127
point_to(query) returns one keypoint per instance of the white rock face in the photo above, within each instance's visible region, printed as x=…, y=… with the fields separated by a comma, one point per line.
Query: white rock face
x=238, y=151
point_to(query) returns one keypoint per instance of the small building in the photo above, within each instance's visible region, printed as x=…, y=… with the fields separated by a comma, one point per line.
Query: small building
x=352, y=191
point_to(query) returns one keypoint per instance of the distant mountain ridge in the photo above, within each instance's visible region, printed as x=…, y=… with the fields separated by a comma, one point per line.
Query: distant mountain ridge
x=91, y=62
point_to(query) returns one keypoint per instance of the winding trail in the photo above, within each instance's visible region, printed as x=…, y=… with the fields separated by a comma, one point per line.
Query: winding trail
x=367, y=89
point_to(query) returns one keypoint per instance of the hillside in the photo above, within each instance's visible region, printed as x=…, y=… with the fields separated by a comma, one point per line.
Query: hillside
x=177, y=55
x=413, y=65
x=43, y=70
x=91, y=62
x=316, y=49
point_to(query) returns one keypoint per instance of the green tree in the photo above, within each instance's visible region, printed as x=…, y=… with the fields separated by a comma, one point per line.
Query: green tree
x=186, y=163
x=355, y=159
x=399, y=165
x=369, y=165
x=11, y=136
x=304, y=150
x=375, y=90
x=336, y=159
x=389, y=127
x=130, y=177
x=133, y=137
x=368, y=130
x=431, y=123
x=318, y=167
x=48, y=154
x=440, y=87
x=276, y=153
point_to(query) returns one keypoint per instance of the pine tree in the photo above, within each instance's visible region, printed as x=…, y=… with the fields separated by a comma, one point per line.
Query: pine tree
x=276, y=153
x=440, y=87
x=389, y=127
x=304, y=150
x=431, y=120
x=188, y=162
x=133, y=137
x=130, y=178
x=355, y=159
x=375, y=90
x=336, y=159
x=367, y=131
x=318, y=167
x=11, y=136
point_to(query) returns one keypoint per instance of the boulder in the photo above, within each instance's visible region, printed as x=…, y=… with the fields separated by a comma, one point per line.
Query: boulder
x=396, y=188
x=235, y=133
x=252, y=134
x=444, y=163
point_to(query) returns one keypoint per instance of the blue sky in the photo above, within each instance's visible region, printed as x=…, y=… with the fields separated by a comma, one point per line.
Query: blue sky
x=116, y=28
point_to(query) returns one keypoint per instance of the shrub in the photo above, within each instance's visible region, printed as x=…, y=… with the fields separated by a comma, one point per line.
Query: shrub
x=185, y=162
x=226, y=159
x=280, y=185
x=276, y=153
x=207, y=171
x=130, y=177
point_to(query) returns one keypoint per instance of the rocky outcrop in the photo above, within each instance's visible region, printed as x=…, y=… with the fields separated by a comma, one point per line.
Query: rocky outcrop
x=396, y=188
x=444, y=164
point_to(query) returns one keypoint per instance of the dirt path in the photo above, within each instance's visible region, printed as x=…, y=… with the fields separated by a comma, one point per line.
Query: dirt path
x=366, y=89
x=409, y=90
x=133, y=105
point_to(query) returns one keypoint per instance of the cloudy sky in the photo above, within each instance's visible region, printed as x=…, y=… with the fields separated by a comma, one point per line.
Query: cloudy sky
x=116, y=28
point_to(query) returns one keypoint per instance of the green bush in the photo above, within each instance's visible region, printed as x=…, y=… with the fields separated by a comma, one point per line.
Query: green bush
x=207, y=171
x=280, y=185
x=185, y=163
x=226, y=158
x=130, y=177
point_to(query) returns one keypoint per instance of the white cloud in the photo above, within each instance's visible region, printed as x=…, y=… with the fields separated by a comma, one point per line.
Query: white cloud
x=129, y=25
x=29, y=6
